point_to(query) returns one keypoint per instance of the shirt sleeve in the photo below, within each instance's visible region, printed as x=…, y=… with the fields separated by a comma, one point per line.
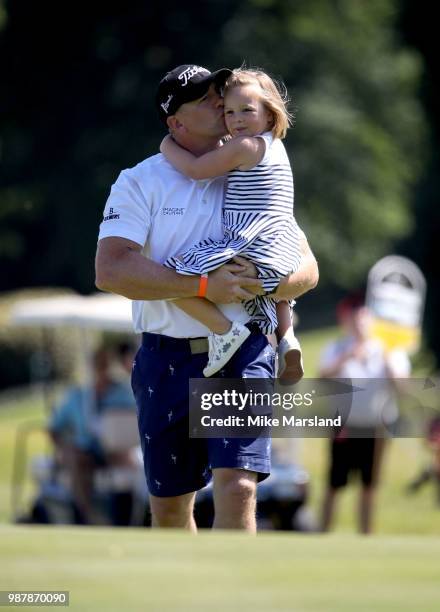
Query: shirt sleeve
x=127, y=213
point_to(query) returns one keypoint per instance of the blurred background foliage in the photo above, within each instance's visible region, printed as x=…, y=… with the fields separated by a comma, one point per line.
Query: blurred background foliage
x=77, y=88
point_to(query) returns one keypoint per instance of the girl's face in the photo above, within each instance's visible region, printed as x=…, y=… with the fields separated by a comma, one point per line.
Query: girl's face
x=245, y=113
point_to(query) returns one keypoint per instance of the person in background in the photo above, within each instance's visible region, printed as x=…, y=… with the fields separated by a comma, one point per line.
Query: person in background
x=358, y=446
x=74, y=429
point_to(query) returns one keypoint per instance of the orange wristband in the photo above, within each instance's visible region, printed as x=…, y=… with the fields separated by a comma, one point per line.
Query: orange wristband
x=203, y=285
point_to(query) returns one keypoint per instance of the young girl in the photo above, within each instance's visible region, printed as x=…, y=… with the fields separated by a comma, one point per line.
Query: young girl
x=258, y=217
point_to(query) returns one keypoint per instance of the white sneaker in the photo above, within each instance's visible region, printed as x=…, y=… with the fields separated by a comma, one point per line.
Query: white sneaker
x=290, y=363
x=223, y=346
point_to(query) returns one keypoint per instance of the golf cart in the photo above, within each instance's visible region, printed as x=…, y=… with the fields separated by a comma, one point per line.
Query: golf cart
x=120, y=492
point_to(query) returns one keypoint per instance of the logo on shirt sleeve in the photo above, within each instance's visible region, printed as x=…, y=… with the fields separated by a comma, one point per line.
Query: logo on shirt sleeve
x=111, y=215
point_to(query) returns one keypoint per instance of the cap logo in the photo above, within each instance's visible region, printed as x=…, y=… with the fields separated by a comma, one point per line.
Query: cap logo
x=188, y=73
x=165, y=105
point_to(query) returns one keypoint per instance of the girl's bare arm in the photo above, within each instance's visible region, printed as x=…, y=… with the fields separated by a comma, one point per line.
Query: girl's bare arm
x=242, y=151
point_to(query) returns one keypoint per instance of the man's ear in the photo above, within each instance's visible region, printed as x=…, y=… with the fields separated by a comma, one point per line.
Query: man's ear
x=173, y=123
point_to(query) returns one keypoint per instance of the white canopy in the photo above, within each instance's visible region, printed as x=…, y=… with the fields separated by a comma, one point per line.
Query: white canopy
x=102, y=311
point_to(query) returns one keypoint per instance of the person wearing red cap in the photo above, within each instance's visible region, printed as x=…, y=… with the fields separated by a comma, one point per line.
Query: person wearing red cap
x=152, y=213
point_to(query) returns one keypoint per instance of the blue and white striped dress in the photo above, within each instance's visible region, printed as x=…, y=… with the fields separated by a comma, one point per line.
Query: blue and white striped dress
x=259, y=225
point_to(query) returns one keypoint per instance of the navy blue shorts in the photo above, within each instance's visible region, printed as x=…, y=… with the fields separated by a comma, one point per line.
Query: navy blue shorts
x=174, y=463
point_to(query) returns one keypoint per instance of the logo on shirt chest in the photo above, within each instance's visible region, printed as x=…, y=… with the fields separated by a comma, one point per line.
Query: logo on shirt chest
x=173, y=211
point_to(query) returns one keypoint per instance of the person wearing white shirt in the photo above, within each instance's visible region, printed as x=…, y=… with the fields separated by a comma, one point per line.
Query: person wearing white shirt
x=374, y=375
x=154, y=212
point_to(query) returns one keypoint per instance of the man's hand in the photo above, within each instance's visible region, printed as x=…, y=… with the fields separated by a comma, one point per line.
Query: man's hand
x=122, y=269
x=237, y=281
x=248, y=268
x=233, y=282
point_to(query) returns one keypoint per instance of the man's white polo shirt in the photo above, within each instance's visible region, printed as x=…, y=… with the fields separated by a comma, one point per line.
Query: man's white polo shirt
x=166, y=213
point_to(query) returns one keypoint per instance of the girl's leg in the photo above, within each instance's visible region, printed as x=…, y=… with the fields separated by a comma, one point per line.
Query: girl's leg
x=206, y=312
x=290, y=365
x=226, y=337
x=284, y=318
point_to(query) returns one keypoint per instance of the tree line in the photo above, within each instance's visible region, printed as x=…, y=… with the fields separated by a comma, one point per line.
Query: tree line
x=77, y=106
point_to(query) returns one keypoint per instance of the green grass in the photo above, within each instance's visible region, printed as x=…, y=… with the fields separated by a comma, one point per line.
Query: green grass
x=135, y=569
x=129, y=569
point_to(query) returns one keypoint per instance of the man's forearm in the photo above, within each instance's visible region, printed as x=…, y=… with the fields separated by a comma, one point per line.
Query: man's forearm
x=301, y=281
x=122, y=269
